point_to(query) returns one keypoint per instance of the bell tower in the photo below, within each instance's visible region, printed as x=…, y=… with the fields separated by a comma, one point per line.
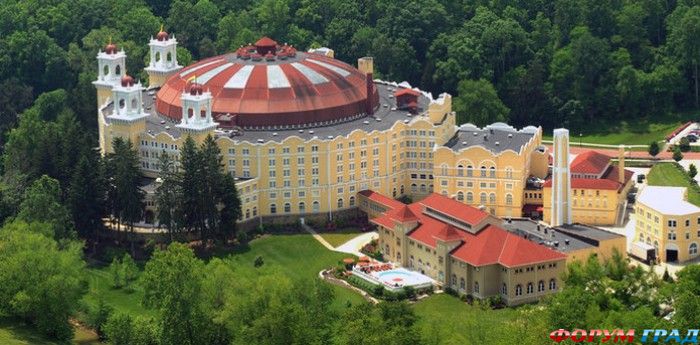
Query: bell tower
x=127, y=120
x=197, y=119
x=163, y=59
x=111, y=64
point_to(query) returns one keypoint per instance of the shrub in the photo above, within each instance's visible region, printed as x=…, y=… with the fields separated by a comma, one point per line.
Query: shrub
x=409, y=291
x=115, y=273
x=677, y=155
x=95, y=316
x=684, y=144
x=654, y=148
x=119, y=329
x=258, y=261
x=450, y=291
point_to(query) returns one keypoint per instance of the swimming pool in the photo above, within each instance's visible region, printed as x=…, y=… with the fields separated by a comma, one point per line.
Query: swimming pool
x=397, y=278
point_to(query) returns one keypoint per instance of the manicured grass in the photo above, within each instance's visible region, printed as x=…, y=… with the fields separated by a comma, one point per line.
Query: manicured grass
x=671, y=174
x=337, y=238
x=14, y=333
x=446, y=320
x=641, y=132
x=298, y=256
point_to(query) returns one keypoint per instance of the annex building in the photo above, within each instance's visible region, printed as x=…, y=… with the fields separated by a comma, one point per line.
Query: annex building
x=303, y=133
x=667, y=221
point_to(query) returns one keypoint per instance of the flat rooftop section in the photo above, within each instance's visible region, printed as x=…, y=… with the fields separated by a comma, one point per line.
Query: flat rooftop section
x=495, y=138
x=544, y=235
x=667, y=200
x=584, y=232
x=383, y=119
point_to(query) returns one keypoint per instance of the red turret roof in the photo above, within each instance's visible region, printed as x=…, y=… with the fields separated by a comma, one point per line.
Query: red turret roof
x=402, y=214
x=265, y=42
x=590, y=162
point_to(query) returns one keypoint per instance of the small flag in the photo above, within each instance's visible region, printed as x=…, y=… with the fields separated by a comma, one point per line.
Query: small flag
x=192, y=78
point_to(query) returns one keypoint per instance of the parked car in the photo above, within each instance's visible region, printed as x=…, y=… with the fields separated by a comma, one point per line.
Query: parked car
x=692, y=138
x=640, y=178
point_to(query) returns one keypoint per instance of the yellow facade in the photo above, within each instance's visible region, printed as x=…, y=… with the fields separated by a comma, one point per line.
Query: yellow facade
x=590, y=205
x=668, y=230
x=479, y=177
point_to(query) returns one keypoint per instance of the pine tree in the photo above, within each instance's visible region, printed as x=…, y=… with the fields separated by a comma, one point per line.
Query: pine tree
x=190, y=184
x=86, y=197
x=168, y=195
x=692, y=171
x=677, y=155
x=212, y=181
x=125, y=192
x=654, y=148
x=231, y=210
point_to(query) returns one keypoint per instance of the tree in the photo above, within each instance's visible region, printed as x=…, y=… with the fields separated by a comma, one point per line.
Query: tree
x=168, y=194
x=119, y=329
x=654, y=148
x=40, y=283
x=692, y=171
x=86, y=197
x=42, y=203
x=479, y=104
x=124, y=190
x=677, y=155
x=172, y=285
x=190, y=164
x=684, y=144
x=684, y=40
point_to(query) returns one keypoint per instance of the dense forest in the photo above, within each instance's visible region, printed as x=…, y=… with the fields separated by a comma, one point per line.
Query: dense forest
x=554, y=63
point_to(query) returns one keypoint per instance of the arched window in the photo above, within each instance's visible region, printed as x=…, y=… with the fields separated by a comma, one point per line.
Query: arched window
x=287, y=207
x=443, y=170
x=462, y=283
x=509, y=172
x=509, y=199
x=453, y=281
x=393, y=193
x=302, y=207
x=190, y=113
x=315, y=206
x=387, y=250
x=460, y=196
x=105, y=70
x=134, y=105
x=340, y=203
x=460, y=170
x=169, y=57
x=518, y=290
x=540, y=286
x=504, y=289
x=118, y=70
x=414, y=187
x=352, y=201
x=273, y=208
x=470, y=171
x=693, y=249
x=158, y=57
x=483, y=171
x=476, y=287
x=122, y=104
x=492, y=198
x=203, y=112
x=255, y=211
x=402, y=190
x=492, y=172
x=398, y=256
x=530, y=288
x=422, y=188
x=553, y=284
x=482, y=198
x=470, y=197
x=247, y=213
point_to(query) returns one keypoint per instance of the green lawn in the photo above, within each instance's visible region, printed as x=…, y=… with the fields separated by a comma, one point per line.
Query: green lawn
x=640, y=132
x=447, y=320
x=299, y=256
x=670, y=174
x=15, y=333
x=119, y=299
x=337, y=238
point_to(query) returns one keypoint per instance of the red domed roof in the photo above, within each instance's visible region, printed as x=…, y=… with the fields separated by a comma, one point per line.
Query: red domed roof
x=288, y=89
x=111, y=48
x=196, y=89
x=162, y=36
x=127, y=80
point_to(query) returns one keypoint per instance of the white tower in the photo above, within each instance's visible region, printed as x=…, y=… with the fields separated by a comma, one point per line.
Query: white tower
x=111, y=67
x=163, y=59
x=196, y=111
x=561, y=179
x=127, y=120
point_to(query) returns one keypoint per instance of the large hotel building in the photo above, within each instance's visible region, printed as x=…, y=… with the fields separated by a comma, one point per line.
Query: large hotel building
x=303, y=133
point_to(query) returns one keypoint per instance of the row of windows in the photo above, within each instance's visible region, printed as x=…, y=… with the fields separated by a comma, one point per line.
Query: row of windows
x=287, y=207
x=482, y=198
x=504, y=287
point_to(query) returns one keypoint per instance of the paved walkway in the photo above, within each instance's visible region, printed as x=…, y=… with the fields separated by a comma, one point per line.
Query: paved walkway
x=612, y=153
x=352, y=246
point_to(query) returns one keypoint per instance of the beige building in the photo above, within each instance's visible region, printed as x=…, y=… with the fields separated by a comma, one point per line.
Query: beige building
x=466, y=249
x=667, y=221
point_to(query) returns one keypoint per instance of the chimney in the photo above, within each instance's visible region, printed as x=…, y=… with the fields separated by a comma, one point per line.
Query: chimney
x=561, y=179
x=621, y=165
x=366, y=66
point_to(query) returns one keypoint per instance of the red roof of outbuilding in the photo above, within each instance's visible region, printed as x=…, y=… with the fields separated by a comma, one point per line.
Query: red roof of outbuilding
x=490, y=245
x=382, y=199
x=609, y=181
x=590, y=162
x=404, y=91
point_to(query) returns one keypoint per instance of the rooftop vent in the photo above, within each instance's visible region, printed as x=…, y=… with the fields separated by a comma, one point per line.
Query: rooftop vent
x=556, y=243
x=311, y=132
x=365, y=122
x=497, y=143
x=261, y=141
x=538, y=227
x=566, y=241
x=274, y=134
x=301, y=131
x=476, y=133
x=464, y=143
x=510, y=135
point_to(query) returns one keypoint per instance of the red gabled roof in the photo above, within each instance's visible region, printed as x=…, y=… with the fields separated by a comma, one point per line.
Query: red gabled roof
x=402, y=214
x=448, y=233
x=590, y=162
x=401, y=92
x=609, y=181
x=454, y=208
x=382, y=199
